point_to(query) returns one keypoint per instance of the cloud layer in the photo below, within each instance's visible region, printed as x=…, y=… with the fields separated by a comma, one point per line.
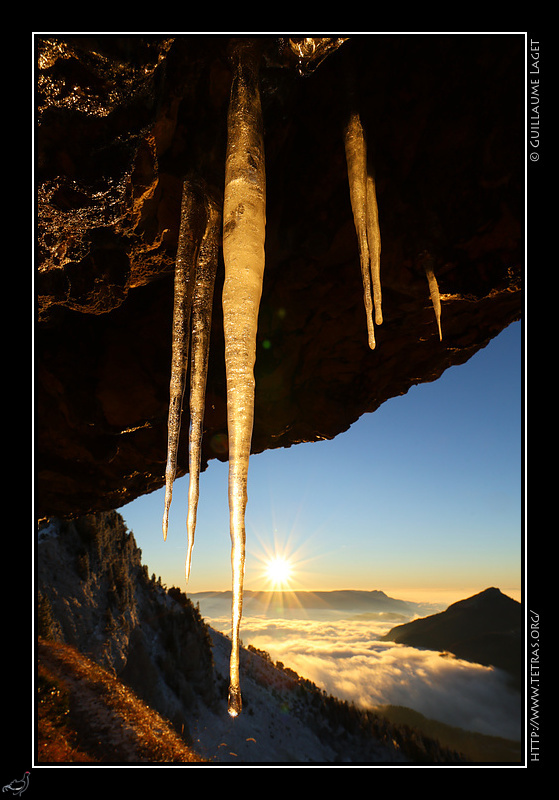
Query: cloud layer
x=348, y=660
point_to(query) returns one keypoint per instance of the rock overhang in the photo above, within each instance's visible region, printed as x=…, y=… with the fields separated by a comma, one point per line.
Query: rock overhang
x=124, y=119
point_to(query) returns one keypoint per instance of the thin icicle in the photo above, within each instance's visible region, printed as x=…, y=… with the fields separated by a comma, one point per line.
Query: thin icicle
x=190, y=234
x=356, y=157
x=244, y=224
x=373, y=239
x=365, y=216
x=201, y=326
x=434, y=293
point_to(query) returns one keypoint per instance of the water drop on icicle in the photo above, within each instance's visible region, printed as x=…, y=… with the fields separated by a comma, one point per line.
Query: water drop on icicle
x=190, y=233
x=244, y=224
x=201, y=326
x=365, y=216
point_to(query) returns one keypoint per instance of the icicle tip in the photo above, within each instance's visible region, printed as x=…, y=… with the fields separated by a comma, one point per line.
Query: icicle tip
x=235, y=703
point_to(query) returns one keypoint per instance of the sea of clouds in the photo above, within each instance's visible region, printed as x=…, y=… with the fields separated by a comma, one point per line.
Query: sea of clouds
x=347, y=658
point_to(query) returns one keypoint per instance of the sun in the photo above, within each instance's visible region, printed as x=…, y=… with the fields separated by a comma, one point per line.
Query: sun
x=279, y=563
x=279, y=571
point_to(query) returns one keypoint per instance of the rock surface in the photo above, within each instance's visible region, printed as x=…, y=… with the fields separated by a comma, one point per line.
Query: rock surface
x=123, y=118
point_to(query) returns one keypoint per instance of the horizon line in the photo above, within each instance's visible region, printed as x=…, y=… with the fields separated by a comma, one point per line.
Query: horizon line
x=513, y=590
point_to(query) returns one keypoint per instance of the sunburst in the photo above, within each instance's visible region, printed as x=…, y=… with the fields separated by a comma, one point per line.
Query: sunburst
x=279, y=572
x=280, y=564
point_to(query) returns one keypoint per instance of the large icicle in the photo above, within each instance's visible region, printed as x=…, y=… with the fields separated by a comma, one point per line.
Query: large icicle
x=244, y=224
x=201, y=326
x=190, y=233
x=365, y=215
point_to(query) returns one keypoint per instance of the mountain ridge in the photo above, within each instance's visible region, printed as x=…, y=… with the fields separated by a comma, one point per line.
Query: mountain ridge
x=339, y=600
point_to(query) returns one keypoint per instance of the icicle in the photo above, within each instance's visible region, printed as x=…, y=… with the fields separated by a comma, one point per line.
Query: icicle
x=201, y=326
x=356, y=158
x=190, y=234
x=434, y=292
x=244, y=223
x=373, y=239
x=365, y=215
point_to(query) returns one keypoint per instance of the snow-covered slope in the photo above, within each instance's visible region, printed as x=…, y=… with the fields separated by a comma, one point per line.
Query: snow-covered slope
x=280, y=722
x=267, y=731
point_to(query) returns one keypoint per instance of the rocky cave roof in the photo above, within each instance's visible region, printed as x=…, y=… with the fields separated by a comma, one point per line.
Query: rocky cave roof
x=123, y=119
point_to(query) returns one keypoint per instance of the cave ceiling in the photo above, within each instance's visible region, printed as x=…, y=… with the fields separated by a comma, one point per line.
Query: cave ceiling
x=123, y=119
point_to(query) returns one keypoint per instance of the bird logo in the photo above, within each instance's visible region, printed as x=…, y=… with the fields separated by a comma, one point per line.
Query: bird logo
x=16, y=787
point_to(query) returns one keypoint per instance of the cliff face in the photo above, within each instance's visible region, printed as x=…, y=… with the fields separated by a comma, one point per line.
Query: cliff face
x=95, y=595
x=123, y=119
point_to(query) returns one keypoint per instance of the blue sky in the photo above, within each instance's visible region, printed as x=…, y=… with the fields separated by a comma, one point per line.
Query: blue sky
x=421, y=499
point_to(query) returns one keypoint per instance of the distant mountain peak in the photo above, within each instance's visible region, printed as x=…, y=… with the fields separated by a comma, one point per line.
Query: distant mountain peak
x=488, y=598
x=484, y=628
